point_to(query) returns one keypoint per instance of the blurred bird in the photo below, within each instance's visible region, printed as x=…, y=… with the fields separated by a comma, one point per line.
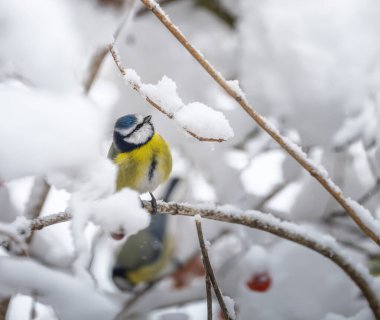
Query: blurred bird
x=144, y=161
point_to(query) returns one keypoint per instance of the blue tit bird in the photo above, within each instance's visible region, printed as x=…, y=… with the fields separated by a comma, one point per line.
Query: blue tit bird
x=144, y=161
x=142, y=155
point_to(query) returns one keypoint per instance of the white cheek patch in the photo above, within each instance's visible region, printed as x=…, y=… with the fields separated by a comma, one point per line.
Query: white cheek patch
x=140, y=136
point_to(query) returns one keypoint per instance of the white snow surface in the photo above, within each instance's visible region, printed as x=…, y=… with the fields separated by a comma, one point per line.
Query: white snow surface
x=234, y=84
x=204, y=121
x=121, y=210
x=43, y=132
x=71, y=299
x=164, y=93
x=132, y=77
x=230, y=304
x=364, y=314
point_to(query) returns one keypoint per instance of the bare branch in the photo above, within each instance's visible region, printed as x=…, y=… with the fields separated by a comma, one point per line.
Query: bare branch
x=95, y=65
x=208, y=297
x=209, y=271
x=135, y=86
x=305, y=162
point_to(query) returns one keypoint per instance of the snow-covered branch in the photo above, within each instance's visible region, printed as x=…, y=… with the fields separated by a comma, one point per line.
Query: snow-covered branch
x=197, y=119
x=361, y=216
x=323, y=244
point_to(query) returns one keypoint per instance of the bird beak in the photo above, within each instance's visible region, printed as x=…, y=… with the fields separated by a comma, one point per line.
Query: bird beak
x=147, y=119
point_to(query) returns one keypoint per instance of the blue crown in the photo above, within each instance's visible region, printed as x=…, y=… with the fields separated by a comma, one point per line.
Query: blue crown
x=126, y=122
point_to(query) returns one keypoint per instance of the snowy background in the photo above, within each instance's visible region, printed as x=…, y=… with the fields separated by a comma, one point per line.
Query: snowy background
x=311, y=67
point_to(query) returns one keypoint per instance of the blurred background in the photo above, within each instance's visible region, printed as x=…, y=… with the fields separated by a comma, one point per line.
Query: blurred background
x=311, y=67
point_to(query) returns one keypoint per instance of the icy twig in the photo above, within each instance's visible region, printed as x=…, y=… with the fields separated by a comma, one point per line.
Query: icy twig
x=265, y=222
x=136, y=86
x=209, y=271
x=365, y=224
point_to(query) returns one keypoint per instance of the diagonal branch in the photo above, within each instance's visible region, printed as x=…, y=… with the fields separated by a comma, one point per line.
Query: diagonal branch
x=210, y=276
x=365, y=223
x=135, y=86
x=320, y=243
x=208, y=297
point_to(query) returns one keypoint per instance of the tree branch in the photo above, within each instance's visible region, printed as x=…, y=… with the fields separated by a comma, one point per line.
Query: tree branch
x=324, y=245
x=292, y=149
x=210, y=276
x=135, y=86
x=208, y=297
x=40, y=223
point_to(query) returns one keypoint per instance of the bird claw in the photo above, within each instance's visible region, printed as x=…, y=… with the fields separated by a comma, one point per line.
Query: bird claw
x=153, y=203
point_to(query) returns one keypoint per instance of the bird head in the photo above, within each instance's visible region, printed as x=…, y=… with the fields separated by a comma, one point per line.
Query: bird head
x=132, y=131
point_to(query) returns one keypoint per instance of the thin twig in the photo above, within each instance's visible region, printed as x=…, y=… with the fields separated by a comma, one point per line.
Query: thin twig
x=208, y=297
x=4, y=304
x=304, y=161
x=267, y=223
x=40, y=223
x=37, y=198
x=276, y=190
x=209, y=270
x=135, y=86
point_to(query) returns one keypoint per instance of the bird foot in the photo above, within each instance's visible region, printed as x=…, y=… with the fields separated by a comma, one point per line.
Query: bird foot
x=153, y=203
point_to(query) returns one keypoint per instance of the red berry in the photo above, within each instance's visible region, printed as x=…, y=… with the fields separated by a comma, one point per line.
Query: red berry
x=117, y=236
x=260, y=282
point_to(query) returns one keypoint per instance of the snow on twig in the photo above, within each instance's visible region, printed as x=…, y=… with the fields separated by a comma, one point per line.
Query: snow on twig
x=197, y=119
x=210, y=272
x=366, y=223
x=323, y=244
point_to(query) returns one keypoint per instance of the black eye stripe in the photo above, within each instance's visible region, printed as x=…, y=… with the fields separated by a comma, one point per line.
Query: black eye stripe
x=134, y=130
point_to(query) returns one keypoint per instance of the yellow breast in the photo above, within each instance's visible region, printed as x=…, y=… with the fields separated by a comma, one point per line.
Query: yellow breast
x=144, y=168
